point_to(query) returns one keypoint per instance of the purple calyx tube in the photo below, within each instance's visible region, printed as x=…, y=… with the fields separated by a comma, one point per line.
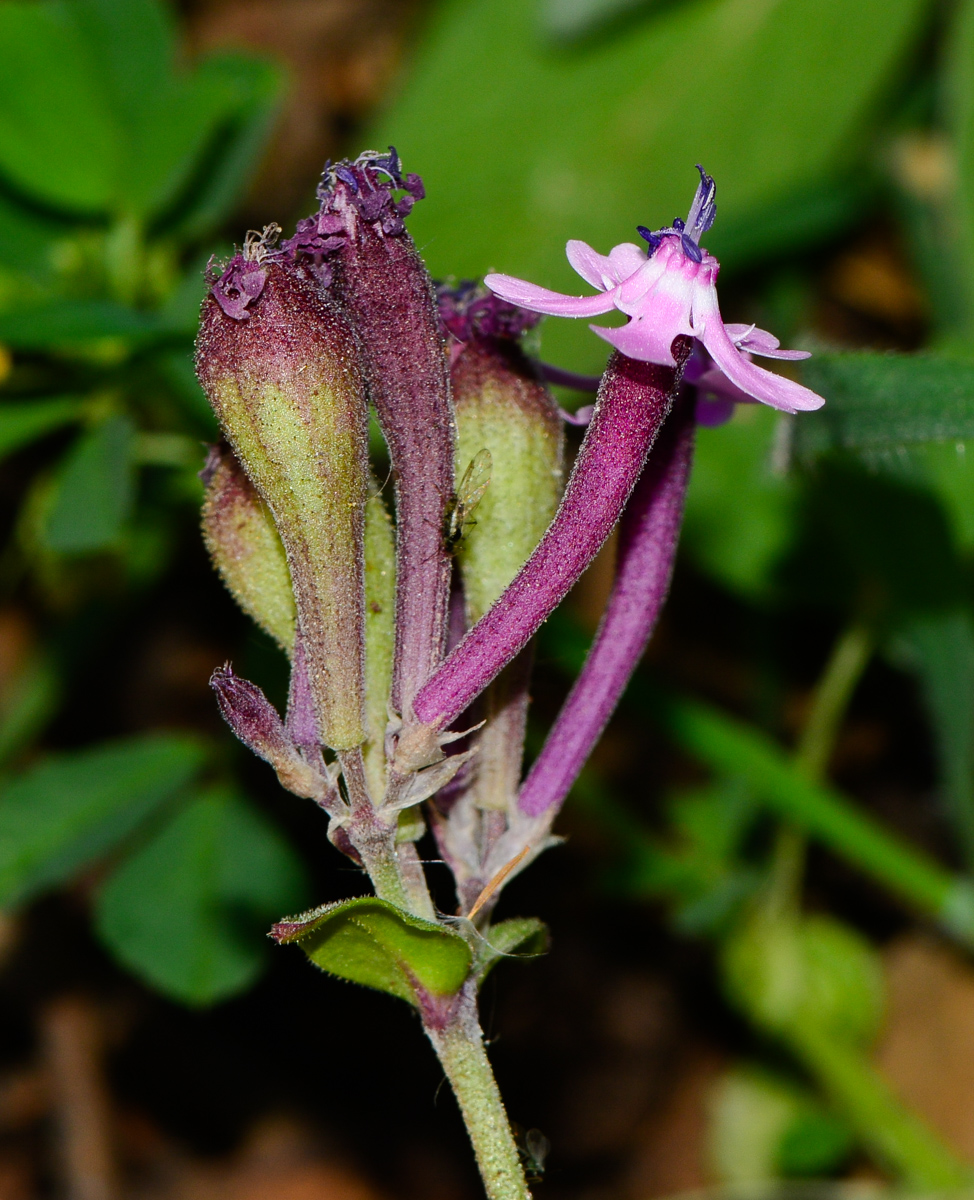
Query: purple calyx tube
x=633, y=401
x=648, y=536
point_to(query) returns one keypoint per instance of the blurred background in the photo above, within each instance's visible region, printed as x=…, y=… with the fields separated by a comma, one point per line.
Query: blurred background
x=763, y=913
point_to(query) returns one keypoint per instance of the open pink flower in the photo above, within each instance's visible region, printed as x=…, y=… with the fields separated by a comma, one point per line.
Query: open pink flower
x=667, y=290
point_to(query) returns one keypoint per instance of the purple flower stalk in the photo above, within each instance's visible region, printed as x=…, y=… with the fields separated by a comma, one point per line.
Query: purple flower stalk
x=359, y=247
x=668, y=290
x=648, y=536
x=633, y=401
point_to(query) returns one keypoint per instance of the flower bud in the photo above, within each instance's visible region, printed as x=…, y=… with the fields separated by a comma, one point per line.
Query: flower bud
x=358, y=245
x=380, y=636
x=280, y=366
x=256, y=723
x=506, y=416
x=245, y=547
x=503, y=408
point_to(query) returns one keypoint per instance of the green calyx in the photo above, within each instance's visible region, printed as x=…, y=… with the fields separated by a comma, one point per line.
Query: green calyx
x=380, y=635
x=246, y=550
x=285, y=382
x=501, y=408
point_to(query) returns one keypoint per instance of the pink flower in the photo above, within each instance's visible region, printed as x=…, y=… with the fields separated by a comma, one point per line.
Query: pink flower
x=667, y=290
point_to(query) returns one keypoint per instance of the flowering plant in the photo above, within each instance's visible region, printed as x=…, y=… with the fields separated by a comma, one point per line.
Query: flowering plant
x=409, y=678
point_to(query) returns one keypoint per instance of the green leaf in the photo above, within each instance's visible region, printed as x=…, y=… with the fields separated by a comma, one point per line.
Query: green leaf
x=70, y=322
x=176, y=367
x=230, y=160
x=94, y=494
x=570, y=20
x=731, y=748
x=23, y=422
x=58, y=138
x=537, y=145
x=958, y=87
x=520, y=937
x=180, y=125
x=29, y=703
x=30, y=239
x=370, y=941
x=133, y=43
x=72, y=809
x=763, y=1125
x=186, y=912
x=815, y=971
x=940, y=649
x=880, y=402
x=740, y=512
x=873, y=540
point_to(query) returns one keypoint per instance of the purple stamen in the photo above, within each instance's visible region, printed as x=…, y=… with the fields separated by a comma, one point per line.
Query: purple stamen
x=690, y=248
x=652, y=239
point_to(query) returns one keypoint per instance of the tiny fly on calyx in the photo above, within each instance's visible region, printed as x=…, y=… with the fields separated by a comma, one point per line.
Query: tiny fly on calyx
x=469, y=493
x=532, y=1148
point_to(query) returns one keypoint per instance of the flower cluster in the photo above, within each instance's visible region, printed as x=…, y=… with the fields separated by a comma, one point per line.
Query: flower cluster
x=409, y=633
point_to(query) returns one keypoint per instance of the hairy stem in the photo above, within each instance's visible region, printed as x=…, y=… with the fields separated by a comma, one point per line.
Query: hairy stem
x=459, y=1045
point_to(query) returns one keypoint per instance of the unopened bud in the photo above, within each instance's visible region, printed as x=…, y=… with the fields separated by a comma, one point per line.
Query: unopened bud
x=510, y=443
x=380, y=636
x=245, y=547
x=257, y=724
x=280, y=366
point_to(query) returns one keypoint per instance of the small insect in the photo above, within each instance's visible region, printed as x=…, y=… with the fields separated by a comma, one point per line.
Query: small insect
x=533, y=1148
x=469, y=493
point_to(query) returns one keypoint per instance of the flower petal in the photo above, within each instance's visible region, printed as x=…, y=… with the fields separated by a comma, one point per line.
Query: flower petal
x=763, y=385
x=759, y=341
x=605, y=272
x=539, y=299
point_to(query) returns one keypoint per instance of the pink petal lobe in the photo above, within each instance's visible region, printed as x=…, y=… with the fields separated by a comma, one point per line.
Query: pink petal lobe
x=539, y=299
x=763, y=385
x=593, y=267
x=605, y=272
x=759, y=341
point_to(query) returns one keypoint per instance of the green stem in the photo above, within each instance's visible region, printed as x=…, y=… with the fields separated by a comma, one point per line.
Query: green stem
x=889, y=1131
x=897, y=1138
x=732, y=748
x=375, y=840
x=849, y=658
x=460, y=1049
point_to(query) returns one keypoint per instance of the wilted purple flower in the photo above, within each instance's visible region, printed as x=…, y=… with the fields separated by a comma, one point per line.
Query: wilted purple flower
x=358, y=247
x=667, y=290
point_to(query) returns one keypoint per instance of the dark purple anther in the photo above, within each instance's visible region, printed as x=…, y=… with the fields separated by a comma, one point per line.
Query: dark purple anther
x=380, y=280
x=633, y=401
x=690, y=248
x=648, y=537
x=653, y=240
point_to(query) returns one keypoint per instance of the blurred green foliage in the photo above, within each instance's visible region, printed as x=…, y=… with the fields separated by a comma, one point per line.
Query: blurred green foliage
x=119, y=162
x=531, y=123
